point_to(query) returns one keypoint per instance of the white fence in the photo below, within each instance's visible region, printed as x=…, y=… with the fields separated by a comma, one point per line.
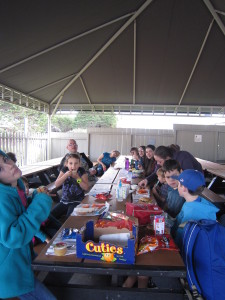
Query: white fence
x=206, y=142
x=28, y=149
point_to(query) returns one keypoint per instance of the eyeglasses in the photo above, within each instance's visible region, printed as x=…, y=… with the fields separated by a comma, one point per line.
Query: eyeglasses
x=70, y=145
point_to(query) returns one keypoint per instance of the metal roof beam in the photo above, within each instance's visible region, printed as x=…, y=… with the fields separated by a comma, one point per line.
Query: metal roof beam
x=215, y=15
x=63, y=43
x=50, y=84
x=85, y=90
x=134, y=66
x=196, y=62
x=110, y=41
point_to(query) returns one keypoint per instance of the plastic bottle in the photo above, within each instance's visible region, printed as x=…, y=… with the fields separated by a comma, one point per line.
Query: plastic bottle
x=127, y=164
x=119, y=192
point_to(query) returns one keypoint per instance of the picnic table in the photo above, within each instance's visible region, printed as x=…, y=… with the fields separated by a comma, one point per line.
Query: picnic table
x=216, y=172
x=165, y=267
x=43, y=170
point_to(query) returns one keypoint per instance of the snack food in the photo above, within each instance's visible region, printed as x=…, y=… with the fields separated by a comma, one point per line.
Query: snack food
x=147, y=244
x=145, y=199
x=86, y=209
x=41, y=189
x=142, y=191
x=60, y=249
x=103, y=196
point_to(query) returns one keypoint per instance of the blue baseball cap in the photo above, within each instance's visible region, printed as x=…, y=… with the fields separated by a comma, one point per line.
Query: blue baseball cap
x=3, y=153
x=191, y=179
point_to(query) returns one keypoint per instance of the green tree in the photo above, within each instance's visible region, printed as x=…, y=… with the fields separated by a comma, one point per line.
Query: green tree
x=15, y=115
x=87, y=119
x=62, y=123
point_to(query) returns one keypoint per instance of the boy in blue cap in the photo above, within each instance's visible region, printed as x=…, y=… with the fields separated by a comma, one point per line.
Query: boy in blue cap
x=191, y=184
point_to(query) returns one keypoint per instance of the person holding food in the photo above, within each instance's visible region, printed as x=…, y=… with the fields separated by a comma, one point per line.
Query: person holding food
x=85, y=162
x=18, y=226
x=105, y=160
x=74, y=180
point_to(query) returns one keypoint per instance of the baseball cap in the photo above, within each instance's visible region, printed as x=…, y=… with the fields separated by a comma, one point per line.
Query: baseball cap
x=191, y=179
x=3, y=153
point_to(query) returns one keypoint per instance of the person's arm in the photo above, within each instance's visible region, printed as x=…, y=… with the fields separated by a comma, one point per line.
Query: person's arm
x=17, y=226
x=81, y=180
x=143, y=183
x=153, y=176
x=41, y=235
x=99, y=160
x=160, y=200
x=62, y=177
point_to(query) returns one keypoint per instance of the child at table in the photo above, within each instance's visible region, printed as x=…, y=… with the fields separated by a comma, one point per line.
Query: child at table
x=190, y=184
x=174, y=201
x=135, y=157
x=17, y=227
x=105, y=160
x=75, y=181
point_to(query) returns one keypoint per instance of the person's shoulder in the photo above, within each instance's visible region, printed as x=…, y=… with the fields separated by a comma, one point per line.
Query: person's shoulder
x=81, y=170
x=184, y=153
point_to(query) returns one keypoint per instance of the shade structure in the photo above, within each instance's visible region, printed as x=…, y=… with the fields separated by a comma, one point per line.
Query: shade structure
x=153, y=56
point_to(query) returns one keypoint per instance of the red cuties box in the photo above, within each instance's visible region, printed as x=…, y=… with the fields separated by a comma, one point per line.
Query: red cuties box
x=142, y=211
x=90, y=246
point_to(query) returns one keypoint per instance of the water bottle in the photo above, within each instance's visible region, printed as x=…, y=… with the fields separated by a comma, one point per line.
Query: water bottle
x=127, y=165
x=119, y=192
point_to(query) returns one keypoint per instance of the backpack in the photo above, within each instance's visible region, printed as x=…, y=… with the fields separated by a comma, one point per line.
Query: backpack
x=203, y=252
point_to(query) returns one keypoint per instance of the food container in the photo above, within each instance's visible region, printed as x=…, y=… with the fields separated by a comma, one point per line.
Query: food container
x=159, y=224
x=60, y=249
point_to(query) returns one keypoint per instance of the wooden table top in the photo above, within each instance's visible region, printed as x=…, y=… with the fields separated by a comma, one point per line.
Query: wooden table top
x=153, y=261
x=212, y=167
x=40, y=166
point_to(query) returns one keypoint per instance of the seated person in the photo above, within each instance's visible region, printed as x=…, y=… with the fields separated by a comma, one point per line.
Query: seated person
x=135, y=158
x=150, y=167
x=142, y=155
x=190, y=184
x=17, y=226
x=185, y=159
x=160, y=189
x=72, y=147
x=105, y=160
x=174, y=201
x=75, y=181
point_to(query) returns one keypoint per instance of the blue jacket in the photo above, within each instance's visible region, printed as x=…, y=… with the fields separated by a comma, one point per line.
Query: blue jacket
x=174, y=202
x=195, y=210
x=17, y=228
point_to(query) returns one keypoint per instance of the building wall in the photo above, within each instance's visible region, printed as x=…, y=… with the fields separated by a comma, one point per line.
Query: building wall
x=206, y=142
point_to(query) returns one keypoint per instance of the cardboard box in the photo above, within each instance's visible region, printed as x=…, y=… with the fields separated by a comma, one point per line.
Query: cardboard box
x=89, y=246
x=142, y=211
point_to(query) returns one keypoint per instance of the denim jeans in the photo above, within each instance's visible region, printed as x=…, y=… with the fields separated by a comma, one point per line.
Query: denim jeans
x=40, y=292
